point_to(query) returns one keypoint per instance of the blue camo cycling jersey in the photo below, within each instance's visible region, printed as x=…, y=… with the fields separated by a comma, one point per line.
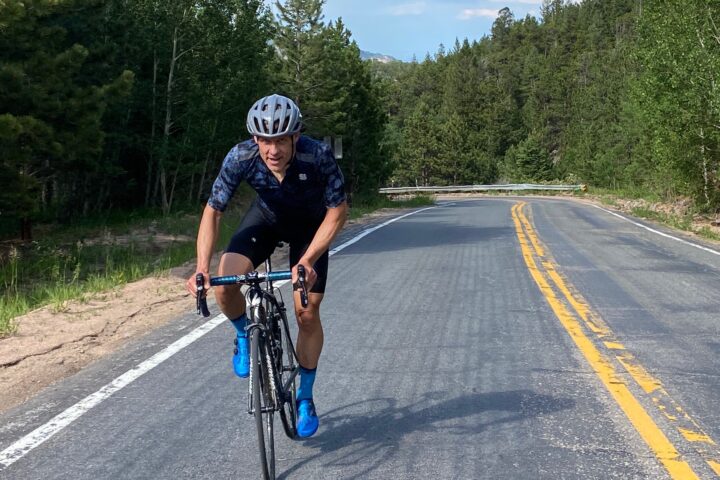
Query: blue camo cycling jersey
x=313, y=181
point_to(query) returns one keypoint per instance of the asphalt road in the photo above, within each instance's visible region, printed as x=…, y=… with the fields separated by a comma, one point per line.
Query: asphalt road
x=496, y=338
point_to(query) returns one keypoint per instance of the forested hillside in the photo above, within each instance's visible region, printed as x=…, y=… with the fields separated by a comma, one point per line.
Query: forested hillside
x=613, y=93
x=132, y=104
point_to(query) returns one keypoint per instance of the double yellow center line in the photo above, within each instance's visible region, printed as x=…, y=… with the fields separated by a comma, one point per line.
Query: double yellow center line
x=607, y=356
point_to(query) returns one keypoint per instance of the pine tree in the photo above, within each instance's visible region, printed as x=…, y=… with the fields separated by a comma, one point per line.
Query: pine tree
x=321, y=68
x=51, y=108
x=419, y=153
x=528, y=161
x=298, y=40
x=677, y=96
x=199, y=67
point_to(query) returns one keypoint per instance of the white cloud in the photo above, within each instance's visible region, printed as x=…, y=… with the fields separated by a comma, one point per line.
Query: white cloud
x=417, y=8
x=521, y=5
x=526, y=2
x=469, y=13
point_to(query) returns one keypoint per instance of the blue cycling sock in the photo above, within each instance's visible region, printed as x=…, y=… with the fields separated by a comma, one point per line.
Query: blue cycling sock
x=240, y=323
x=241, y=354
x=307, y=379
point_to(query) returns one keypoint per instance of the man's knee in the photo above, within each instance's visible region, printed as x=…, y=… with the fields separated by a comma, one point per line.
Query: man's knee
x=234, y=264
x=229, y=298
x=228, y=295
x=308, y=318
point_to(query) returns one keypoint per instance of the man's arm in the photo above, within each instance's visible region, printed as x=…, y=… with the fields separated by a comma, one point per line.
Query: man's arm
x=332, y=224
x=206, y=240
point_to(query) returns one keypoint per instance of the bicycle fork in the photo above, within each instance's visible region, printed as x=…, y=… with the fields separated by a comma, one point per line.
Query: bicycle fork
x=254, y=306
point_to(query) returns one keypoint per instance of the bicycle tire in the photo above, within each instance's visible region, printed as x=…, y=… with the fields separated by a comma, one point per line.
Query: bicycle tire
x=287, y=367
x=262, y=405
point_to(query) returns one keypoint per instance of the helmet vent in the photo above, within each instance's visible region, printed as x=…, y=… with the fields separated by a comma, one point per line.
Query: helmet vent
x=274, y=116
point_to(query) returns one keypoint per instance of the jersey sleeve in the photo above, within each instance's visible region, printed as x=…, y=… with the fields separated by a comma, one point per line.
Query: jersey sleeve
x=334, y=181
x=232, y=173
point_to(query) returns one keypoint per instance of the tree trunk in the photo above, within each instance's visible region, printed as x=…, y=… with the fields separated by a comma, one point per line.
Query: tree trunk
x=163, y=191
x=201, y=184
x=706, y=176
x=207, y=160
x=151, y=159
x=86, y=202
x=168, y=126
x=171, y=197
x=191, y=190
x=156, y=189
x=26, y=229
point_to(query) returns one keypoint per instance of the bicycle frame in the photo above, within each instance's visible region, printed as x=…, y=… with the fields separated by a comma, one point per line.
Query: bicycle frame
x=256, y=297
x=272, y=353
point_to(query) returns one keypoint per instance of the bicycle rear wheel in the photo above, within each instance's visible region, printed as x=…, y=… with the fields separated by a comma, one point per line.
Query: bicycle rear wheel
x=263, y=407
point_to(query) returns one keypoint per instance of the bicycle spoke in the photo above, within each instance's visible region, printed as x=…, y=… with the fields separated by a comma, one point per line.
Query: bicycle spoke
x=262, y=407
x=288, y=370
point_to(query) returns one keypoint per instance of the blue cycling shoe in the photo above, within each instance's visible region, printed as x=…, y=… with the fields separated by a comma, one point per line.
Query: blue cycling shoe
x=307, y=422
x=241, y=356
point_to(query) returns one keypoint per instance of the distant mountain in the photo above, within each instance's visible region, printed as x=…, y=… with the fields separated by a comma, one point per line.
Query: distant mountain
x=377, y=57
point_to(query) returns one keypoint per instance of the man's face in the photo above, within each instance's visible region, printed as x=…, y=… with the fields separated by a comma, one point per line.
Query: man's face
x=277, y=152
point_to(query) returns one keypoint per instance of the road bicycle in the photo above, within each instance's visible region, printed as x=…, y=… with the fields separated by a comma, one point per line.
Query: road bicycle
x=273, y=360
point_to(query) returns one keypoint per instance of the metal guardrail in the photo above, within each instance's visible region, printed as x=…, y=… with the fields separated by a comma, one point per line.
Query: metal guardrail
x=484, y=188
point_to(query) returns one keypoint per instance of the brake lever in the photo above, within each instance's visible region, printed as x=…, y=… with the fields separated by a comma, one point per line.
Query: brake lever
x=303, y=290
x=202, y=308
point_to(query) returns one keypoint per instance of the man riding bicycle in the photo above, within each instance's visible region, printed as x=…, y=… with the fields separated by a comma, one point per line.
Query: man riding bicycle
x=300, y=200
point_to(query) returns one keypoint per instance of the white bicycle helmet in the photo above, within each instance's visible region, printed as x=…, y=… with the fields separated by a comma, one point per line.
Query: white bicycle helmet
x=274, y=116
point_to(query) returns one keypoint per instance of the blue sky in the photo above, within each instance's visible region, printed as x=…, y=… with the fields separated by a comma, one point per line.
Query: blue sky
x=403, y=28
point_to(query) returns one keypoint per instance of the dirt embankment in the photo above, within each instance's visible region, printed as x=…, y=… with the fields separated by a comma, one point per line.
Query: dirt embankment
x=50, y=345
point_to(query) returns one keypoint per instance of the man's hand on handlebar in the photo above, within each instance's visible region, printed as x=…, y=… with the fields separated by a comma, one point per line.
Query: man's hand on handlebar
x=310, y=275
x=202, y=283
x=300, y=275
x=192, y=284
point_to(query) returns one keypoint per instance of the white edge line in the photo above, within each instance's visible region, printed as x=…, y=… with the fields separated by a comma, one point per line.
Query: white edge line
x=709, y=250
x=370, y=230
x=37, y=437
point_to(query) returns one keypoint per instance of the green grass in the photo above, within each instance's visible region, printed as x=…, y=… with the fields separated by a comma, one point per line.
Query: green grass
x=626, y=193
x=674, y=221
x=71, y=263
x=681, y=222
x=706, y=232
x=684, y=223
x=362, y=205
x=610, y=197
x=11, y=305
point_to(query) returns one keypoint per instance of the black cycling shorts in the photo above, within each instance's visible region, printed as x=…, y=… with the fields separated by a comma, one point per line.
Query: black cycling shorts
x=259, y=233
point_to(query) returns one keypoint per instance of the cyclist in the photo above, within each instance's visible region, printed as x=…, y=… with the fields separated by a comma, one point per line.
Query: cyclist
x=300, y=200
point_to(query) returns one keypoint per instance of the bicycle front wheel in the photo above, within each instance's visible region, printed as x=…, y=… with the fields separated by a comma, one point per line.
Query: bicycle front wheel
x=287, y=368
x=263, y=407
